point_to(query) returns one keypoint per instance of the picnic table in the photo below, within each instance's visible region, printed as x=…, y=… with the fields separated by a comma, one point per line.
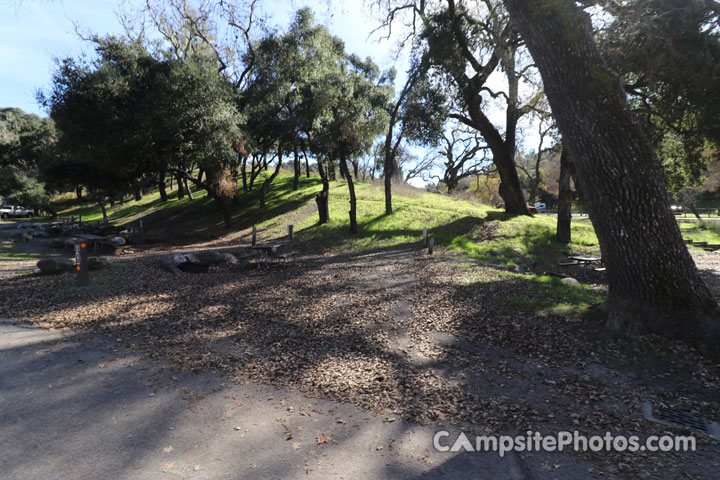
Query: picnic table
x=584, y=261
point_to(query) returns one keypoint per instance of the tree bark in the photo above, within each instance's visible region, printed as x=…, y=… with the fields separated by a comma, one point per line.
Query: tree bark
x=224, y=206
x=565, y=198
x=161, y=187
x=78, y=192
x=388, y=190
x=101, y=202
x=351, y=188
x=654, y=285
x=244, y=175
x=268, y=181
x=296, y=168
x=331, y=169
x=187, y=189
x=180, y=188
x=322, y=198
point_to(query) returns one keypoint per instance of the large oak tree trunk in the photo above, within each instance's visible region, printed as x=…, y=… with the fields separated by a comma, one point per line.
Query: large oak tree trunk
x=322, y=198
x=351, y=188
x=296, y=168
x=565, y=198
x=180, y=187
x=161, y=187
x=654, y=284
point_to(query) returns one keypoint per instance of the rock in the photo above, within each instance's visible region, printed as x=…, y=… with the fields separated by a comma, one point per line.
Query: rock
x=513, y=268
x=570, y=281
x=21, y=237
x=530, y=261
x=495, y=260
x=136, y=239
x=494, y=253
x=522, y=268
x=55, y=265
x=96, y=263
x=601, y=288
x=518, y=251
x=118, y=240
x=180, y=258
x=168, y=263
x=229, y=258
x=517, y=259
x=209, y=256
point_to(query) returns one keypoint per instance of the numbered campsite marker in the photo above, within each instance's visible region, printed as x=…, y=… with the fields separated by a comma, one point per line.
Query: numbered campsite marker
x=81, y=264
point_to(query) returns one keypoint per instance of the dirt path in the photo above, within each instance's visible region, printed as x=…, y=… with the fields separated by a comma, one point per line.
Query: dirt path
x=81, y=407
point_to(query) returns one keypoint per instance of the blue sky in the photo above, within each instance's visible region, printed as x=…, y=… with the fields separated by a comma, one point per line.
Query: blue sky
x=36, y=31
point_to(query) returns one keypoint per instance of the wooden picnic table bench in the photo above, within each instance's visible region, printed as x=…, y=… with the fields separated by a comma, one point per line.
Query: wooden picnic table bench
x=584, y=261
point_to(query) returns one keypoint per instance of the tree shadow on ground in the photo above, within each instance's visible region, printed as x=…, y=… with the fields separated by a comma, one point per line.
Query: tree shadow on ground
x=330, y=325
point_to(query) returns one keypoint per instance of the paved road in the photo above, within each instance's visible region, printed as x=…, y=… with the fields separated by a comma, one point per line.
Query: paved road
x=78, y=406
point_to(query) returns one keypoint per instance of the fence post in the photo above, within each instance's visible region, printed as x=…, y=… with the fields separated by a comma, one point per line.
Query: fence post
x=431, y=245
x=290, y=232
x=254, y=235
x=425, y=237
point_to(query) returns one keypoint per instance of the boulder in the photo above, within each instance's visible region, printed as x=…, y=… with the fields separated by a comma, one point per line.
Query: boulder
x=517, y=251
x=494, y=253
x=229, y=258
x=118, y=241
x=180, y=258
x=570, y=281
x=168, y=264
x=55, y=265
x=209, y=256
x=21, y=237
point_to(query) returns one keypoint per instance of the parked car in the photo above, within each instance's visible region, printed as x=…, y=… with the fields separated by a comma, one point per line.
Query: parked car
x=8, y=211
x=540, y=207
x=676, y=209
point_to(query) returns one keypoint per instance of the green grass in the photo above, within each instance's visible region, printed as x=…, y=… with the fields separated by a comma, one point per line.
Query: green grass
x=545, y=295
x=701, y=231
x=130, y=210
x=472, y=228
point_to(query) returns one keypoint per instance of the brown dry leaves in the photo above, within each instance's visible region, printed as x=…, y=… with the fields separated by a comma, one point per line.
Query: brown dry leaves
x=326, y=325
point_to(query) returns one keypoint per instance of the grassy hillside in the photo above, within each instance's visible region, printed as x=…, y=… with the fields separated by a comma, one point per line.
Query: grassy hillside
x=476, y=229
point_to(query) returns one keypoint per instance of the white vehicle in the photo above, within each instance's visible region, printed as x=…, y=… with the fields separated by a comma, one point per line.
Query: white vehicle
x=7, y=211
x=540, y=207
